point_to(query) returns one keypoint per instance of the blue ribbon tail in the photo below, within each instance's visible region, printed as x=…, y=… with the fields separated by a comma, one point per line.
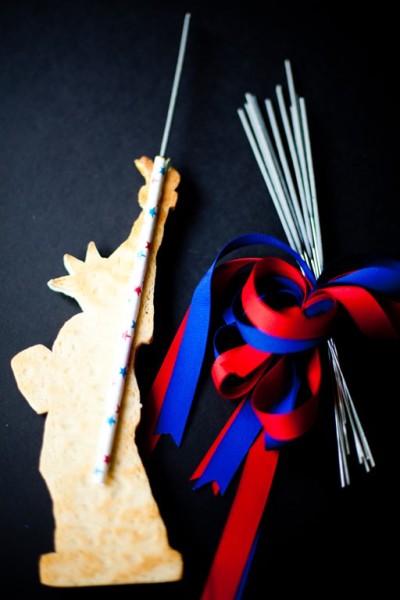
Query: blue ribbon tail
x=189, y=361
x=232, y=449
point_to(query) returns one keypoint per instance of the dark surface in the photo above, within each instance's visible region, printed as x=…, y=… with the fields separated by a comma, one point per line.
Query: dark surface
x=84, y=88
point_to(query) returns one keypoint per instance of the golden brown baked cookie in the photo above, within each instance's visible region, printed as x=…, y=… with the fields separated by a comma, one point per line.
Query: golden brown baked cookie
x=112, y=533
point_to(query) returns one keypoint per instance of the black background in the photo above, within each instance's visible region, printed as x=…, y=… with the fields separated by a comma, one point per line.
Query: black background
x=84, y=88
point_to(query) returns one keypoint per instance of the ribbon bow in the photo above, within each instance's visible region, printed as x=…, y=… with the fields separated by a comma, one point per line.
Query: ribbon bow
x=274, y=317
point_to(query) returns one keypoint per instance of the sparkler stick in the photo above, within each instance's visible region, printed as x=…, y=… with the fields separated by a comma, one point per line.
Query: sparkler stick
x=138, y=275
x=301, y=224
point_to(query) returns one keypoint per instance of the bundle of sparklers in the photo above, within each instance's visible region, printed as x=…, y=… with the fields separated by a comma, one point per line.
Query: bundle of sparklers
x=286, y=164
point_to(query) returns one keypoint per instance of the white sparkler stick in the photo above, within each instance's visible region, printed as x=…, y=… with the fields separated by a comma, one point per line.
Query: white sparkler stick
x=137, y=279
x=264, y=171
x=293, y=199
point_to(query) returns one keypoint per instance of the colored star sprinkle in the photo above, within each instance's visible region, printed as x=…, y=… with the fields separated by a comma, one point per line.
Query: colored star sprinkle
x=122, y=371
x=111, y=421
x=125, y=335
x=153, y=211
x=138, y=290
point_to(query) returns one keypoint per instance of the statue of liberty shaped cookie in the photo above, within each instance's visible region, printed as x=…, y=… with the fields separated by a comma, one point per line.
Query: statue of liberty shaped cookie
x=112, y=533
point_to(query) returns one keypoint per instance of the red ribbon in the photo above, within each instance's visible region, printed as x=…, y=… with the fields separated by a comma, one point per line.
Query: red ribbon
x=242, y=524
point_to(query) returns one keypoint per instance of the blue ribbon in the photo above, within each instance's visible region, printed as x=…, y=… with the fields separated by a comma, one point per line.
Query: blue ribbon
x=241, y=434
x=383, y=276
x=232, y=449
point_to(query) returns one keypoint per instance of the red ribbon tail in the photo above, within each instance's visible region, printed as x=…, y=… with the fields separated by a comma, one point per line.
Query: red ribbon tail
x=158, y=390
x=236, y=543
